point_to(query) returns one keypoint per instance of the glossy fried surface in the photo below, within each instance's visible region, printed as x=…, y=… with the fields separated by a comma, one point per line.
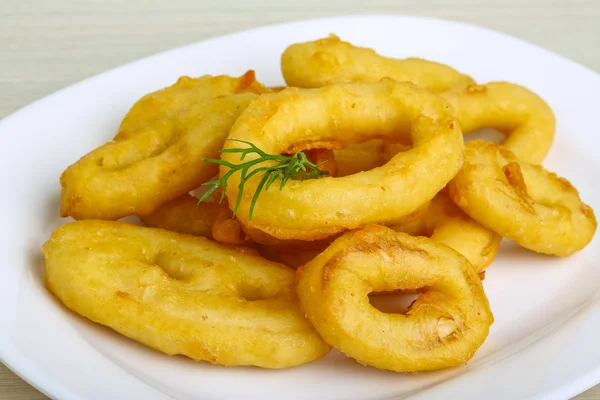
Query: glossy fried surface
x=444, y=326
x=335, y=117
x=523, y=202
x=331, y=60
x=181, y=294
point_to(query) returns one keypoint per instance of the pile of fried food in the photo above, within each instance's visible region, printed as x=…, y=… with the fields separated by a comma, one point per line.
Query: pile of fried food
x=272, y=214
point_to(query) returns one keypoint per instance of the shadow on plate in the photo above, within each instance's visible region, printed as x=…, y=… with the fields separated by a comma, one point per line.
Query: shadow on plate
x=513, y=256
x=51, y=213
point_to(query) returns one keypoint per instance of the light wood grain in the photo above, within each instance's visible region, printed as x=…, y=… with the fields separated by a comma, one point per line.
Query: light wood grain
x=46, y=45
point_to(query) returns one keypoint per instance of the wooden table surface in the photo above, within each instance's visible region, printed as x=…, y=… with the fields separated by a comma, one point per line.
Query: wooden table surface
x=46, y=45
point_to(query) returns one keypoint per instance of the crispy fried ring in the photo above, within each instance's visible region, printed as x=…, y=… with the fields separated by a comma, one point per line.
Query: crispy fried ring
x=161, y=162
x=445, y=223
x=215, y=221
x=181, y=294
x=334, y=117
x=523, y=202
x=524, y=117
x=331, y=60
x=182, y=95
x=444, y=326
x=526, y=120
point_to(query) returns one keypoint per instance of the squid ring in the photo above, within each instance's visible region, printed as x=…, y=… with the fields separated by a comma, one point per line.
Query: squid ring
x=445, y=223
x=181, y=294
x=524, y=117
x=334, y=117
x=331, y=60
x=522, y=202
x=526, y=120
x=444, y=326
x=172, y=100
x=162, y=161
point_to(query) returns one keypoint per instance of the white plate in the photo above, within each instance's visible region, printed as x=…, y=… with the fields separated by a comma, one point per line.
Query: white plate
x=542, y=345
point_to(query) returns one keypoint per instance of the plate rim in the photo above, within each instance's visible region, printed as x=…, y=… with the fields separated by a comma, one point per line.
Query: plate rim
x=30, y=371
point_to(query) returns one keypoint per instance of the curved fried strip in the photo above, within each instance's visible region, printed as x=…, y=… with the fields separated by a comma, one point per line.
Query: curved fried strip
x=445, y=223
x=181, y=294
x=331, y=60
x=265, y=239
x=185, y=215
x=226, y=229
x=414, y=223
x=359, y=157
x=523, y=116
x=444, y=326
x=523, y=202
x=179, y=97
x=393, y=148
x=335, y=117
x=136, y=174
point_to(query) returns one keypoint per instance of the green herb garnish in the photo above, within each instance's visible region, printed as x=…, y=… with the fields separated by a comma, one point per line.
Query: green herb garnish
x=297, y=167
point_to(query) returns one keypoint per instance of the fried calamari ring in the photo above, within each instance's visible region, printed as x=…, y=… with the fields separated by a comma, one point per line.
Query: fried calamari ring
x=159, y=163
x=181, y=294
x=522, y=202
x=526, y=120
x=445, y=223
x=335, y=117
x=216, y=221
x=444, y=326
x=523, y=116
x=182, y=95
x=331, y=60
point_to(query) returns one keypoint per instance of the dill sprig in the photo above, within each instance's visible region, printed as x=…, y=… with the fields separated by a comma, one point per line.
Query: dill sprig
x=296, y=167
